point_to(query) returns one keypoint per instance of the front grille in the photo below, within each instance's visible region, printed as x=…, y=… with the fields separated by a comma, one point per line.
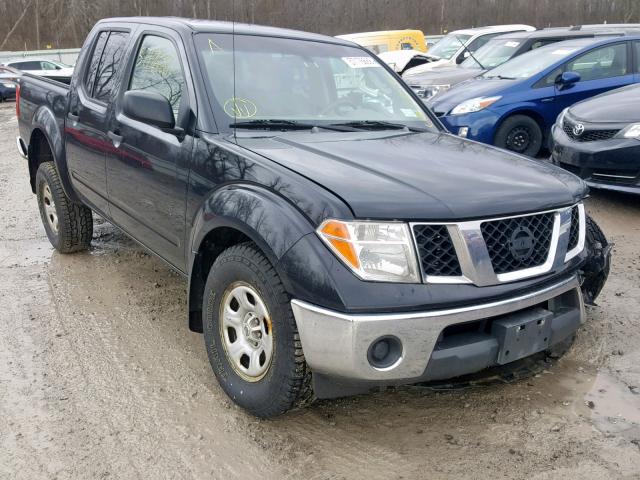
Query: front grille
x=588, y=135
x=574, y=231
x=518, y=243
x=437, y=253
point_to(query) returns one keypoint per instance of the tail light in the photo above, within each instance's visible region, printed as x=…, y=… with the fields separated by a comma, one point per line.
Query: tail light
x=18, y=99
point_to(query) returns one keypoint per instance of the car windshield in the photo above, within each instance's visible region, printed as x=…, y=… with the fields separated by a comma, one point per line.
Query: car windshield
x=279, y=82
x=494, y=53
x=448, y=46
x=531, y=63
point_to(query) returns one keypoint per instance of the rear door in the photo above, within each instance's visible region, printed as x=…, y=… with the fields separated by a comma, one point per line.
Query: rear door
x=636, y=60
x=601, y=69
x=147, y=178
x=87, y=119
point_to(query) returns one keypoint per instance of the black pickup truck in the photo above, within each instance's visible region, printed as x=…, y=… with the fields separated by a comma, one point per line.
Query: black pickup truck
x=335, y=238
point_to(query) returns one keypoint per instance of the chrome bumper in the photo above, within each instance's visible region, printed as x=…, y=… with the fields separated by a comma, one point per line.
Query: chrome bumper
x=337, y=344
x=22, y=149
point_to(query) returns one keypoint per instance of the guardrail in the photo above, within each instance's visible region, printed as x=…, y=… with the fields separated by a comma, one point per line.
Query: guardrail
x=66, y=55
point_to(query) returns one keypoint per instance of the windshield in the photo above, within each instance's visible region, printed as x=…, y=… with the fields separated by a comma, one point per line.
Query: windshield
x=302, y=81
x=448, y=46
x=494, y=53
x=530, y=63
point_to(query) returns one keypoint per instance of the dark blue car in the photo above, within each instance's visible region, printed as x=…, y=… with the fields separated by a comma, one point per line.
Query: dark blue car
x=514, y=105
x=7, y=90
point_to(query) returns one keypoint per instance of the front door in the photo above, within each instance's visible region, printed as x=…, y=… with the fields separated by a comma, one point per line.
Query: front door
x=147, y=179
x=86, y=123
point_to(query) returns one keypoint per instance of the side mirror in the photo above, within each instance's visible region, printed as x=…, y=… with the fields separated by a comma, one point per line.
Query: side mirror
x=567, y=79
x=149, y=107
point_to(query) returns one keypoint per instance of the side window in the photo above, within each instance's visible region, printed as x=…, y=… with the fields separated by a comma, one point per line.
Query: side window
x=48, y=66
x=157, y=69
x=636, y=49
x=604, y=62
x=95, y=60
x=109, y=66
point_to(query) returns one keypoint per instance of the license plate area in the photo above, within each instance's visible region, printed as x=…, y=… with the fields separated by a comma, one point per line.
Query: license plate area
x=522, y=334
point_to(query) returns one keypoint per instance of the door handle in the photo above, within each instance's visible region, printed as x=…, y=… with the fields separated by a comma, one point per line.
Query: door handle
x=115, y=138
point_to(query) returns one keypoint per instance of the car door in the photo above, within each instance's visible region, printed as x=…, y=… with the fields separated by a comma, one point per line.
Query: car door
x=601, y=69
x=86, y=123
x=147, y=178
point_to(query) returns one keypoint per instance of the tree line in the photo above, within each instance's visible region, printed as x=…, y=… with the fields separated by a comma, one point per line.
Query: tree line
x=36, y=24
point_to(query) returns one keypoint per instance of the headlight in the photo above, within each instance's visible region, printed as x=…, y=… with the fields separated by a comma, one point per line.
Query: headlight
x=632, y=131
x=560, y=119
x=474, y=105
x=428, y=91
x=373, y=251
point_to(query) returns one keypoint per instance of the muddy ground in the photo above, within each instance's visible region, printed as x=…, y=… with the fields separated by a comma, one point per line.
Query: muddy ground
x=101, y=378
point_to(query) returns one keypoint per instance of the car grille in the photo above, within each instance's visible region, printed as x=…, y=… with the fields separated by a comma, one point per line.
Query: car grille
x=437, y=253
x=588, y=135
x=574, y=231
x=499, y=237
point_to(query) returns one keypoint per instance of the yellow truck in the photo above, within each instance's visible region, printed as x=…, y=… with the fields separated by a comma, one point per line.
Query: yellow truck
x=390, y=40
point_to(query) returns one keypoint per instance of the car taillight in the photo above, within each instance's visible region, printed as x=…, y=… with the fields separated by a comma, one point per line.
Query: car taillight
x=17, y=99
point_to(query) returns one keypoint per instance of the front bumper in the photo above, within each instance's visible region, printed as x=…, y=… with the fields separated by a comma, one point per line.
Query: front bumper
x=612, y=164
x=480, y=125
x=337, y=345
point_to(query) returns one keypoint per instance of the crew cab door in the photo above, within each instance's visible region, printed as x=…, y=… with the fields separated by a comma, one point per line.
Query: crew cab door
x=601, y=69
x=147, y=177
x=86, y=123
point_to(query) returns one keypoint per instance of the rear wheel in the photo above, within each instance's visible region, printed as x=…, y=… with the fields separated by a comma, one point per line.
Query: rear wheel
x=69, y=226
x=251, y=335
x=520, y=134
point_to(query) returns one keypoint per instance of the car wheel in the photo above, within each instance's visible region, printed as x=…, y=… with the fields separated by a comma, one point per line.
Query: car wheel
x=251, y=336
x=520, y=134
x=596, y=268
x=69, y=226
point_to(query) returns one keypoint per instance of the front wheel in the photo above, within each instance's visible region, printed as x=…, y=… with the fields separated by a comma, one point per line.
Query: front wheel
x=596, y=269
x=69, y=226
x=520, y=134
x=251, y=335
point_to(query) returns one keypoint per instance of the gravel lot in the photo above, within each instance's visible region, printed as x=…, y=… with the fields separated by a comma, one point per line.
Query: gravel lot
x=101, y=378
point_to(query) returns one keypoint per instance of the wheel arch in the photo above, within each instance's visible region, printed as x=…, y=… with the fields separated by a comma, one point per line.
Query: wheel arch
x=237, y=214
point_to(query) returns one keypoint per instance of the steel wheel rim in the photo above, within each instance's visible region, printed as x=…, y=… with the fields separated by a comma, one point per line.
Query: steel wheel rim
x=246, y=331
x=519, y=139
x=49, y=207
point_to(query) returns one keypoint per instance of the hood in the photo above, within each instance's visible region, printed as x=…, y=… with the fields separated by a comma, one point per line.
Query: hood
x=617, y=106
x=475, y=87
x=399, y=59
x=432, y=65
x=442, y=76
x=420, y=176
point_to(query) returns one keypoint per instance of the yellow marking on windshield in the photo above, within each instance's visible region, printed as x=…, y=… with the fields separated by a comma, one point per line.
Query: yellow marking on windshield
x=240, y=108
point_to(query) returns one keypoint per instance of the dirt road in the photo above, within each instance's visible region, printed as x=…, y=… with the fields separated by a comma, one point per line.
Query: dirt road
x=101, y=378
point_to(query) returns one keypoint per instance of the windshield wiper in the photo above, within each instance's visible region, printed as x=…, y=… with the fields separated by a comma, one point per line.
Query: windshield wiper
x=377, y=125
x=277, y=124
x=501, y=77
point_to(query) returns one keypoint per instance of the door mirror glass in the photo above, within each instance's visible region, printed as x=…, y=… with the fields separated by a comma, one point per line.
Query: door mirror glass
x=568, y=78
x=149, y=107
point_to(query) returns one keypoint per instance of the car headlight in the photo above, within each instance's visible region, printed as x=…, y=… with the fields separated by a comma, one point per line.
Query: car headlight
x=474, y=105
x=372, y=250
x=632, y=131
x=428, y=91
x=560, y=119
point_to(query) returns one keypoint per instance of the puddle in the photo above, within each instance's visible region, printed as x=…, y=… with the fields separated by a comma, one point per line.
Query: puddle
x=614, y=407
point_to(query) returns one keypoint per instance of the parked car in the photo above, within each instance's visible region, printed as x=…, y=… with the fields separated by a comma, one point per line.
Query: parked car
x=599, y=139
x=514, y=105
x=335, y=237
x=431, y=40
x=386, y=41
x=402, y=60
x=42, y=67
x=456, y=46
x=7, y=90
x=9, y=73
x=494, y=53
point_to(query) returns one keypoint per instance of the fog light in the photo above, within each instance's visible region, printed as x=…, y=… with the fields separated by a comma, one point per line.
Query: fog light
x=385, y=352
x=463, y=132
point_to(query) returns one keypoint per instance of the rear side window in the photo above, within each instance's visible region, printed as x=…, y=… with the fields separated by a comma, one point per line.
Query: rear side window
x=157, y=69
x=636, y=49
x=95, y=60
x=109, y=66
x=604, y=62
x=27, y=65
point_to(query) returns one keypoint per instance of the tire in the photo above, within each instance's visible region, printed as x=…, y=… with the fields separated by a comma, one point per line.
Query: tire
x=68, y=225
x=598, y=264
x=520, y=134
x=239, y=275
